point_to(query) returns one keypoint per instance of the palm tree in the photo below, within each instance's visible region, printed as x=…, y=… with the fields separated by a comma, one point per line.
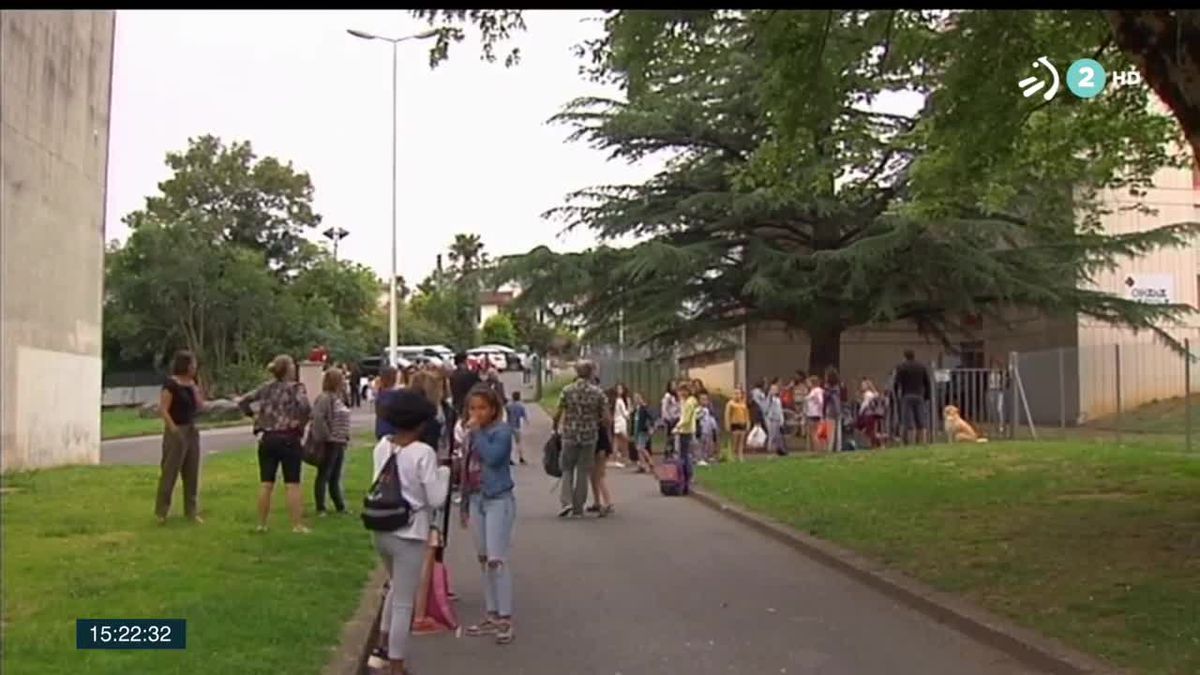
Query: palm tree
x=466, y=253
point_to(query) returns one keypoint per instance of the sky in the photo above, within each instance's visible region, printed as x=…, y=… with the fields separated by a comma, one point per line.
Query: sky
x=475, y=154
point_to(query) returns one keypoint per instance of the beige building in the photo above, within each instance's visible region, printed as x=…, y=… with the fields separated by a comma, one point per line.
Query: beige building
x=55, y=88
x=1068, y=367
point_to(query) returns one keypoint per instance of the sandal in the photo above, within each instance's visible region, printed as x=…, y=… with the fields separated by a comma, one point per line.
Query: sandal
x=486, y=627
x=504, y=633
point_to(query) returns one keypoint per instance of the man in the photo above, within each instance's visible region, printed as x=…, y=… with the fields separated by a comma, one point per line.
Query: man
x=354, y=378
x=461, y=381
x=383, y=398
x=493, y=381
x=913, y=389
x=582, y=409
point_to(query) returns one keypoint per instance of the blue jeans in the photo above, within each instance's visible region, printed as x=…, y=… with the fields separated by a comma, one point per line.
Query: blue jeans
x=492, y=522
x=685, y=442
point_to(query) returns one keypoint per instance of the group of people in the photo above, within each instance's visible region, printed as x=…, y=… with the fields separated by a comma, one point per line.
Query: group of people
x=431, y=421
x=428, y=419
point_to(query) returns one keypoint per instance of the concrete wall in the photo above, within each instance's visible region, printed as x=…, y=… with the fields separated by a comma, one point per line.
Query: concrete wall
x=55, y=86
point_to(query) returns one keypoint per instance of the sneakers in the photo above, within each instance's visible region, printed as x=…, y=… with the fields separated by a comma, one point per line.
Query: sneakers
x=702, y=463
x=564, y=512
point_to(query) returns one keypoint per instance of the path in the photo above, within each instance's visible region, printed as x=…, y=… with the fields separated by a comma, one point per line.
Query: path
x=148, y=449
x=666, y=585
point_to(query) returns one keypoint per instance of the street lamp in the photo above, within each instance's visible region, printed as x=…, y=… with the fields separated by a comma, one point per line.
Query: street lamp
x=335, y=234
x=392, y=330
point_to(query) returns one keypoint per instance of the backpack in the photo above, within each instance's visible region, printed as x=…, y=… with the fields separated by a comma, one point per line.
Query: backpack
x=552, y=456
x=384, y=508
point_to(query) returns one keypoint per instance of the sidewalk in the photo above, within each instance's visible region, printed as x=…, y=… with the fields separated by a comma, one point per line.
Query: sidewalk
x=666, y=585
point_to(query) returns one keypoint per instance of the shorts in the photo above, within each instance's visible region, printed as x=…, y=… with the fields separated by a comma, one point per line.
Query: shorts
x=914, y=413
x=641, y=440
x=603, y=444
x=275, y=449
x=737, y=427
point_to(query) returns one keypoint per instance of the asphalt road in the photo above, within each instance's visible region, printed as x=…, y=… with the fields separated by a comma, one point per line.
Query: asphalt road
x=148, y=449
x=666, y=585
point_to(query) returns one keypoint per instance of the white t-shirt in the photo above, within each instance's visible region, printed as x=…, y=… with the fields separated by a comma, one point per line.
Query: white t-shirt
x=422, y=482
x=814, y=402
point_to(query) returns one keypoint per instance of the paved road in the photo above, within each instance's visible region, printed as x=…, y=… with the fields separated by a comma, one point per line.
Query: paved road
x=148, y=449
x=668, y=586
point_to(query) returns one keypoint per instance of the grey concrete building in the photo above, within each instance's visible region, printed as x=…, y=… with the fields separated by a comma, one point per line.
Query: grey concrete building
x=55, y=90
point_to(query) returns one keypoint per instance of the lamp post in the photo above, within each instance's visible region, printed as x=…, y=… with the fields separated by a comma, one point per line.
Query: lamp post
x=392, y=329
x=335, y=234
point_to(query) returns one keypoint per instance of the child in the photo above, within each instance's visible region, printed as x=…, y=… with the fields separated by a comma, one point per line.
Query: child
x=516, y=414
x=814, y=408
x=490, y=509
x=708, y=431
x=643, y=428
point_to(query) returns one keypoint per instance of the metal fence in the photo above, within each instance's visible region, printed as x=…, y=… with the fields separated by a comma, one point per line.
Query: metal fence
x=641, y=371
x=1139, y=390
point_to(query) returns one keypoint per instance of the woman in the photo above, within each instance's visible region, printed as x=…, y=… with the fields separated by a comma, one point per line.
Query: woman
x=424, y=486
x=669, y=412
x=643, y=429
x=832, y=408
x=737, y=419
x=871, y=411
x=331, y=431
x=621, y=423
x=773, y=420
x=490, y=508
x=283, y=412
x=599, y=477
x=178, y=404
x=814, y=403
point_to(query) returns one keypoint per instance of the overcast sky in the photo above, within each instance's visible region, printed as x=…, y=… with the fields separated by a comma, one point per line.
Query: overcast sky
x=475, y=154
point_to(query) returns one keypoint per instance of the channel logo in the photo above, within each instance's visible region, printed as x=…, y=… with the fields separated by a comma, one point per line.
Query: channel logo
x=1034, y=84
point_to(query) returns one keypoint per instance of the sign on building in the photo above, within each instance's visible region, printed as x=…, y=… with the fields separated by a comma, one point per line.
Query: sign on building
x=1152, y=289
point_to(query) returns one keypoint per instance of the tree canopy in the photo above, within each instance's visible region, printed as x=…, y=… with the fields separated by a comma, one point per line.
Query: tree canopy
x=792, y=195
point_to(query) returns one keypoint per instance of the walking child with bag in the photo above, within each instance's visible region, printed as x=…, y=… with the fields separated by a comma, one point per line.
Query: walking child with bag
x=408, y=487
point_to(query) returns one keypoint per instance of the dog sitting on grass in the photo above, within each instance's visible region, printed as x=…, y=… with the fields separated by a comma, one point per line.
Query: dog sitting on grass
x=958, y=430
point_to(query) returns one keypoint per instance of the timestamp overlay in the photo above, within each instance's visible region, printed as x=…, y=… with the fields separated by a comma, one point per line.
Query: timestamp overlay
x=131, y=633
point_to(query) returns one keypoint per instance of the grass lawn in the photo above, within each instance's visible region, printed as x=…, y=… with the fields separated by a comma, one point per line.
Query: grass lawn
x=551, y=392
x=82, y=542
x=1162, y=417
x=1097, y=545
x=125, y=423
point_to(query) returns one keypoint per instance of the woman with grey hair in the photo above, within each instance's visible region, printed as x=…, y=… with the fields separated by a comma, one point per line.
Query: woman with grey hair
x=283, y=412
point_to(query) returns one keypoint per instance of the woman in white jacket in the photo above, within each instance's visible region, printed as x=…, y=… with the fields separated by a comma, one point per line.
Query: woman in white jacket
x=424, y=485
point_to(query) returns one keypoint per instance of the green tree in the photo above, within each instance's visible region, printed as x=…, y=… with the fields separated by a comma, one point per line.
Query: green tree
x=236, y=198
x=1164, y=44
x=789, y=199
x=498, y=329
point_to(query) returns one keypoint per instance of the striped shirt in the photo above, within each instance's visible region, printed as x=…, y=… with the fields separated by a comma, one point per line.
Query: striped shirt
x=331, y=419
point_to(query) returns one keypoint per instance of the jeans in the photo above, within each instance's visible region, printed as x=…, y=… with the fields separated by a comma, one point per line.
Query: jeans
x=180, y=454
x=330, y=474
x=775, y=437
x=403, y=559
x=492, y=523
x=577, y=460
x=685, y=443
x=995, y=398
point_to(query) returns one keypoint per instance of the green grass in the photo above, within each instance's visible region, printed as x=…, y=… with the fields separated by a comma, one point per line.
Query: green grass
x=1166, y=416
x=1096, y=545
x=551, y=393
x=82, y=542
x=125, y=423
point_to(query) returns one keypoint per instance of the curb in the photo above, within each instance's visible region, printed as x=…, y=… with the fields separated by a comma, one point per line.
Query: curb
x=1022, y=644
x=350, y=656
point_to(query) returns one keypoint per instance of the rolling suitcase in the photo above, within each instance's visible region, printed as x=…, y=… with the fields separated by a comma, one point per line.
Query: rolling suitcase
x=669, y=473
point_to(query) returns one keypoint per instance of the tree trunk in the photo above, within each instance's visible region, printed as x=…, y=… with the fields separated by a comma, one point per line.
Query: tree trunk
x=825, y=349
x=1165, y=45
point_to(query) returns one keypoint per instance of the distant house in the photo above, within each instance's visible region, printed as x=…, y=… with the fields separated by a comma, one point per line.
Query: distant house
x=492, y=303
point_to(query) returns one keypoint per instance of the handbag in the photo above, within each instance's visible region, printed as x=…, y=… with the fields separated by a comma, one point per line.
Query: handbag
x=312, y=452
x=757, y=438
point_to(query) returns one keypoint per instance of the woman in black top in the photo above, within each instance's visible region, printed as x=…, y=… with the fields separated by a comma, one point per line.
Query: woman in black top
x=179, y=402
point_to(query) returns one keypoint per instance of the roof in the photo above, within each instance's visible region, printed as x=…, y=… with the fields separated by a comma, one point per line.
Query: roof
x=499, y=298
